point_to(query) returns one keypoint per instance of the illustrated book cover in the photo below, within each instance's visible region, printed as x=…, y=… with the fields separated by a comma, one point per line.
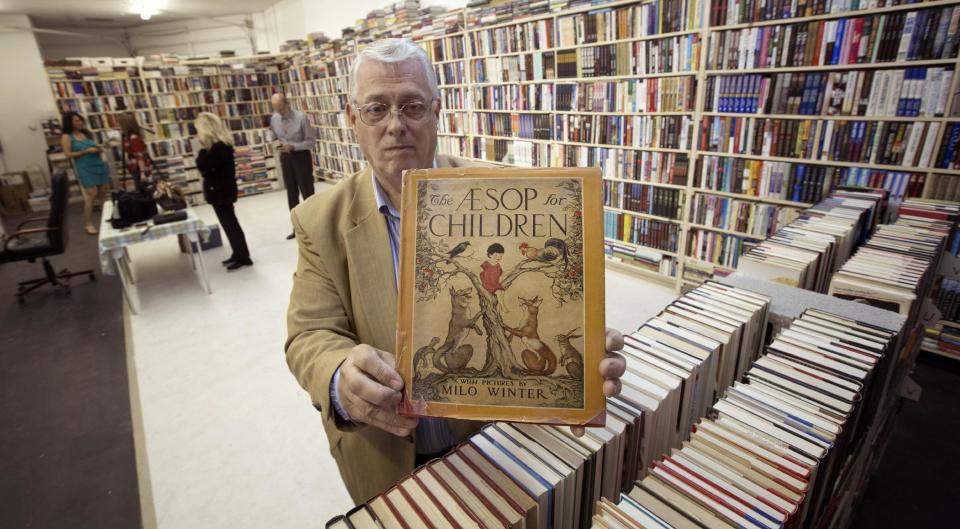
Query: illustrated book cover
x=501, y=295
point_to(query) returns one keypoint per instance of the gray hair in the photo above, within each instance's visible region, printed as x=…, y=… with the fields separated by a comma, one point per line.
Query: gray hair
x=393, y=51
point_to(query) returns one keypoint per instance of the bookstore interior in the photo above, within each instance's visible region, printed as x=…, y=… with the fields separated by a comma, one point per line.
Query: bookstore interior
x=745, y=212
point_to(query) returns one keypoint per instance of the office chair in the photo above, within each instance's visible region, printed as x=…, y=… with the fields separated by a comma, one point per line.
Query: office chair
x=55, y=243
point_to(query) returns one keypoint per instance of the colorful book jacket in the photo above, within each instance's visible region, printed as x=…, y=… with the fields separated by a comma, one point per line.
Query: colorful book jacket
x=501, y=303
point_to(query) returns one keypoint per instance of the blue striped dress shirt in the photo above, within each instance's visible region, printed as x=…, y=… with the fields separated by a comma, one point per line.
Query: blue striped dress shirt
x=433, y=435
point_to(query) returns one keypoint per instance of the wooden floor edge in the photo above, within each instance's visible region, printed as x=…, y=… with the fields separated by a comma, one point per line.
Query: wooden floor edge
x=148, y=513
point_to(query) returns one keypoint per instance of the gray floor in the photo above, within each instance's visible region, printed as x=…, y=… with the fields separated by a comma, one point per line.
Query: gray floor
x=66, y=440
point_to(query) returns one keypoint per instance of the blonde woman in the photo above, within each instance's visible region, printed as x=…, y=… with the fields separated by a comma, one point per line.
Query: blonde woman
x=215, y=163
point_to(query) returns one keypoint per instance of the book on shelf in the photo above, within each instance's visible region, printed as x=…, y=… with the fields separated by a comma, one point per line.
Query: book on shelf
x=640, y=231
x=483, y=248
x=897, y=143
x=626, y=164
x=640, y=198
x=901, y=36
x=743, y=216
x=902, y=92
x=728, y=12
x=658, y=132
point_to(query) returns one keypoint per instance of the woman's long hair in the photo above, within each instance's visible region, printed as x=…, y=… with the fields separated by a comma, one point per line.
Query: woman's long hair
x=129, y=125
x=211, y=130
x=67, y=125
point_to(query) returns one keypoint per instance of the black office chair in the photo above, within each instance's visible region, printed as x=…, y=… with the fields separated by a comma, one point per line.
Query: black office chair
x=31, y=247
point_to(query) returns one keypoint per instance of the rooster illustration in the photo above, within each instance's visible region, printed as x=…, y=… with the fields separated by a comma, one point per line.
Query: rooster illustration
x=552, y=250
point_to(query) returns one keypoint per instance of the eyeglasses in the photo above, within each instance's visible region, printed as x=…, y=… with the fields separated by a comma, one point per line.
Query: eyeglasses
x=373, y=113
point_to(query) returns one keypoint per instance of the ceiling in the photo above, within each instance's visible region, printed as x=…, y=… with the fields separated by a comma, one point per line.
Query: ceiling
x=119, y=13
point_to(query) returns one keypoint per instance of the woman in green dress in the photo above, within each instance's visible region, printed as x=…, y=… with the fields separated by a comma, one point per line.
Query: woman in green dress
x=78, y=144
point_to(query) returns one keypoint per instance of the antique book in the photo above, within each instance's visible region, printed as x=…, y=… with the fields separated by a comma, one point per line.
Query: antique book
x=501, y=297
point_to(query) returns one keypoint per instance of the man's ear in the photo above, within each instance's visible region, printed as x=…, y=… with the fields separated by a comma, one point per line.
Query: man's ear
x=351, y=116
x=436, y=107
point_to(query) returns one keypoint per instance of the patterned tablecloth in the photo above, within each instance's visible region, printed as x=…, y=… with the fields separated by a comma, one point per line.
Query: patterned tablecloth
x=111, y=239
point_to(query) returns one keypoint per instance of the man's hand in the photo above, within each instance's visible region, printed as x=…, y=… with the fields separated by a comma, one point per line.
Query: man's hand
x=612, y=367
x=369, y=390
x=286, y=147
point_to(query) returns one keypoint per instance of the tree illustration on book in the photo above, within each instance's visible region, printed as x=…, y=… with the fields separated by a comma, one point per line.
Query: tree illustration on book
x=499, y=280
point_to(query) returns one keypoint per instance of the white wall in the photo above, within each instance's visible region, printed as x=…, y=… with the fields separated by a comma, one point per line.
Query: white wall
x=25, y=102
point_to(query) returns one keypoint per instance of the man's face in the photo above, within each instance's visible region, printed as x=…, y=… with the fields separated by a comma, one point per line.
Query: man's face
x=395, y=144
x=279, y=104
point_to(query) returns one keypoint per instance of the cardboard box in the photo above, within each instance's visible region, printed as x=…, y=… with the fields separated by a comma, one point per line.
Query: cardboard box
x=15, y=193
x=215, y=241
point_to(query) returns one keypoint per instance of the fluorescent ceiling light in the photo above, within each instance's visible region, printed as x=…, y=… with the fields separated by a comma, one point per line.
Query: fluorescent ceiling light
x=146, y=8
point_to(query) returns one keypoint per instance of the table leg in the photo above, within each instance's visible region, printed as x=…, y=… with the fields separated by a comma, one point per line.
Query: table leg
x=128, y=266
x=194, y=238
x=128, y=286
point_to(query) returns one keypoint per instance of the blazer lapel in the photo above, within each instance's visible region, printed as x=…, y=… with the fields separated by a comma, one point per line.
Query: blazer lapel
x=371, y=262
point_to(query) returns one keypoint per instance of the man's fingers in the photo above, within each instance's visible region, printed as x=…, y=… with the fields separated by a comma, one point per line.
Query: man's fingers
x=614, y=340
x=370, y=361
x=613, y=366
x=383, y=418
x=611, y=387
x=369, y=390
x=393, y=419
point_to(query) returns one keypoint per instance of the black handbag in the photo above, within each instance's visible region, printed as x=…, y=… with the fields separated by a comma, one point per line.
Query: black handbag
x=132, y=207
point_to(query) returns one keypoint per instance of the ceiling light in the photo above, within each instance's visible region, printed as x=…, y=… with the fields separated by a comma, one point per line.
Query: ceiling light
x=146, y=8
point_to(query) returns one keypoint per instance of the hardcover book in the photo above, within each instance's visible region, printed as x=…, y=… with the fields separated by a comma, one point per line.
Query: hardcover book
x=501, y=297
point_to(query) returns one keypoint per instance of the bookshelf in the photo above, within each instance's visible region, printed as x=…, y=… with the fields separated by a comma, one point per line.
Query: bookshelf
x=166, y=95
x=678, y=103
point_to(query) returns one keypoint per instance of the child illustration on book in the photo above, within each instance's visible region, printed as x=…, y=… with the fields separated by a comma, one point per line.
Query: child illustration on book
x=491, y=272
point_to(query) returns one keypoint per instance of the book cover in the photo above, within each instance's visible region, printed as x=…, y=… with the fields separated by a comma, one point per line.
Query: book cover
x=497, y=270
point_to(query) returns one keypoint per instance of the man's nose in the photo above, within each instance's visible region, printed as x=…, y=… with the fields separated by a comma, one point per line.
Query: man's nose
x=395, y=125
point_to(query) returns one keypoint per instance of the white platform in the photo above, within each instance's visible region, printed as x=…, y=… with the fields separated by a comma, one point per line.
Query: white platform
x=230, y=439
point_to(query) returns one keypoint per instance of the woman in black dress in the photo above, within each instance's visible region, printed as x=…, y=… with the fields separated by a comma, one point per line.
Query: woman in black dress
x=215, y=163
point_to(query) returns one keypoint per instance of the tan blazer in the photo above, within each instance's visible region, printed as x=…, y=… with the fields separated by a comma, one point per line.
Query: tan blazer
x=345, y=293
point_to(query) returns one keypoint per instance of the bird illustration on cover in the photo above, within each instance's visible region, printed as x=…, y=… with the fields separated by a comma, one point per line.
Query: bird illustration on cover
x=498, y=309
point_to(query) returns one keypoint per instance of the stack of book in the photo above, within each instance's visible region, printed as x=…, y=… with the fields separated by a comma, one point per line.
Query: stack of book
x=774, y=447
x=524, y=475
x=895, y=269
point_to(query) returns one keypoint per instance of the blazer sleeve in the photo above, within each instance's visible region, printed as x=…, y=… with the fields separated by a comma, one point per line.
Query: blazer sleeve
x=319, y=335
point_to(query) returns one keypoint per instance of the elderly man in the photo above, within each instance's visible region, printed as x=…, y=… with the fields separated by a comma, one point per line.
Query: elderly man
x=293, y=137
x=342, y=310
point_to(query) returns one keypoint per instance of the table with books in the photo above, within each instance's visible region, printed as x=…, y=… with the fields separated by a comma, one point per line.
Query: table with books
x=115, y=259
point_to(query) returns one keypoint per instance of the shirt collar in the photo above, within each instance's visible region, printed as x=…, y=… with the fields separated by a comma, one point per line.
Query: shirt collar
x=383, y=203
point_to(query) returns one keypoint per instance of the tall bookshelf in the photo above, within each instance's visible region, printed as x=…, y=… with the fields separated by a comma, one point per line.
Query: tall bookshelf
x=819, y=124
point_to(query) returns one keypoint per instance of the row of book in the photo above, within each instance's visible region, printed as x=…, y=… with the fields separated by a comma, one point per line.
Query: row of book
x=322, y=104
x=807, y=252
x=642, y=166
x=603, y=25
x=340, y=151
x=318, y=87
x=899, y=186
x=341, y=135
x=796, y=182
x=901, y=143
x=716, y=248
x=641, y=198
x=641, y=257
x=667, y=132
x=727, y=12
x=948, y=156
x=170, y=147
x=772, y=450
x=336, y=165
x=925, y=34
x=530, y=126
x=908, y=92
x=943, y=339
x=507, y=97
x=640, y=231
x=521, y=37
x=672, y=94
x=445, y=49
x=458, y=98
x=676, y=54
x=97, y=88
x=451, y=73
x=451, y=123
x=104, y=104
x=537, y=476
x=112, y=121
x=450, y=146
x=752, y=219
x=247, y=123
x=894, y=270
x=943, y=187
